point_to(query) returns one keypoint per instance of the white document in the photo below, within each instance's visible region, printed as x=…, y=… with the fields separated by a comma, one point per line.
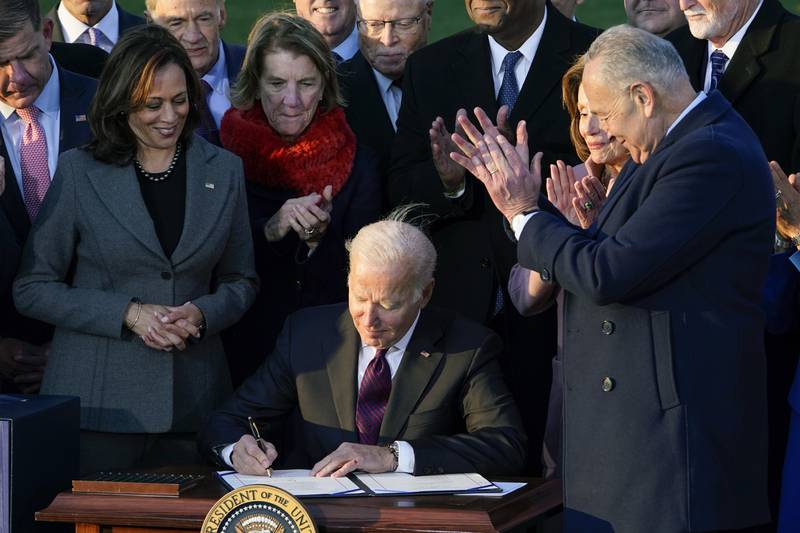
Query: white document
x=398, y=483
x=506, y=487
x=295, y=482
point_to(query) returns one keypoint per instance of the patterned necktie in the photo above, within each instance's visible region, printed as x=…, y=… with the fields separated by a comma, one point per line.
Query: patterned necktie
x=718, y=62
x=372, y=397
x=208, y=127
x=92, y=36
x=509, y=90
x=33, y=160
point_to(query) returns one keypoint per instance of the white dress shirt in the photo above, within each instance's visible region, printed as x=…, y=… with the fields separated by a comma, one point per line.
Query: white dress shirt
x=75, y=31
x=13, y=128
x=729, y=49
x=391, y=95
x=394, y=356
x=523, y=66
x=348, y=48
x=219, y=100
x=519, y=221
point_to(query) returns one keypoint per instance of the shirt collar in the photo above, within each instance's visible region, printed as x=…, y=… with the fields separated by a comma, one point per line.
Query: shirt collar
x=74, y=28
x=402, y=344
x=384, y=83
x=528, y=48
x=218, y=73
x=349, y=46
x=729, y=48
x=696, y=102
x=48, y=100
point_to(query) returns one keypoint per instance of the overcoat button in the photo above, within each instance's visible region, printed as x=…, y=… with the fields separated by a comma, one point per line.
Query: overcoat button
x=607, y=327
x=545, y=275
x=485, y=263
x=166, y=275
x=608, y=384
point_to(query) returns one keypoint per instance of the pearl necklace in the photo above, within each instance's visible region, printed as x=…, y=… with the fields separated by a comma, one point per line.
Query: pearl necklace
x=161, y=176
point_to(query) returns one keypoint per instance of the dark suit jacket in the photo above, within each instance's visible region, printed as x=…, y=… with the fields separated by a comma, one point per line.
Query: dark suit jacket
x=76, y=94
x=81, y=58
x=365, y=111
x=663, y=354
x=762, y=81
x=456, y=73
x=451, y=406
x=234, y=57
x=127, y=21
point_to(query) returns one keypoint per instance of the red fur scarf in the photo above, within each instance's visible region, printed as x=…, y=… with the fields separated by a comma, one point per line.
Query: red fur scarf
x=322, y=155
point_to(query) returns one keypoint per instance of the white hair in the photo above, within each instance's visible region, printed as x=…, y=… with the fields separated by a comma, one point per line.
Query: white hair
x=625, y=55
x=397, y=240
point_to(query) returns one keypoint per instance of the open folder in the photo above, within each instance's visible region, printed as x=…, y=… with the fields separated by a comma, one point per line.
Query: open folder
x=300, y=483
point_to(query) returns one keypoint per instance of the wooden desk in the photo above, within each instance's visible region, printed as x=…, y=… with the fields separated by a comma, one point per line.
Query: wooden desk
x=479, y=514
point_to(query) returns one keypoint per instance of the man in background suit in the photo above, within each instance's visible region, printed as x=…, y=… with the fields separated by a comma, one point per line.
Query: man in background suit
x=535, y=44
x=382, y=384
x=659, y=17
x=97, y=23
x=197, y=25
x=42, y=113
x=747, y=50
x=663, y=354
x=336, y=21
x=372, y=80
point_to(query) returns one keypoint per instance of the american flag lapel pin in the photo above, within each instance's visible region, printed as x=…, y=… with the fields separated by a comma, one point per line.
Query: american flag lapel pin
x=425, y=354
x=80, y=118
x=210, y=186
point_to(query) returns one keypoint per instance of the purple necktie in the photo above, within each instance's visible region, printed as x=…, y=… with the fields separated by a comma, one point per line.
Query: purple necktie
x=33, y=160
x=718, y=62
x=372, y=397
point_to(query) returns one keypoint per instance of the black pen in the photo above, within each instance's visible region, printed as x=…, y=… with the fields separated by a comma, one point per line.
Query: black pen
x=259, y=441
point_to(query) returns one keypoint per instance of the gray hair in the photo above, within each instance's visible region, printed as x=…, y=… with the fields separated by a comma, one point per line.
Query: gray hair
x=151, y=4
x=627, y=55
x=398, y=239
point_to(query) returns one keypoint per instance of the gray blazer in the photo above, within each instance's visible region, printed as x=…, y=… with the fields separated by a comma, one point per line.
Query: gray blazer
x=93, y=248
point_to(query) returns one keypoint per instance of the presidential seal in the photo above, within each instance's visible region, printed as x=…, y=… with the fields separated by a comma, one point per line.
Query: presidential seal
x=258, y=509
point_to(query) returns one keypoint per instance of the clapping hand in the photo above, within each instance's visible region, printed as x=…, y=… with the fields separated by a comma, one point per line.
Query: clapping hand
x=503, y=168
x=308, y=216
x=787, y=202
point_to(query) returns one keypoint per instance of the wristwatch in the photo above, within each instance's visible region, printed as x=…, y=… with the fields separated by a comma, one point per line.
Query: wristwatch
x=395, y=449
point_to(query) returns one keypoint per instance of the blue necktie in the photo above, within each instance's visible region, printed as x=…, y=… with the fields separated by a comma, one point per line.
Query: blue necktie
x=718, y=62
x=509, y=90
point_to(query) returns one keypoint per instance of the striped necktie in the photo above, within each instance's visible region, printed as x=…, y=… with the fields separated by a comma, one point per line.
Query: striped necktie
x=372, y=398
x=33, y=160
x=718, y=62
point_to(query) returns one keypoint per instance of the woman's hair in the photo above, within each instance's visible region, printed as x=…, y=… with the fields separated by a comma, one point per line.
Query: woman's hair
x=124, y=85
x=570, y=83
x=285, y=32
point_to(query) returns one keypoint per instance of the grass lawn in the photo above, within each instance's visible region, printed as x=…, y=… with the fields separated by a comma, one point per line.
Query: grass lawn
x=448, y=15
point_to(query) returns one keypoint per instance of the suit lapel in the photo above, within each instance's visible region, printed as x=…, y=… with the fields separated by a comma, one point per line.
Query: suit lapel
x=74, y=104
x=58, y=33
x=473, y=69
x=549, y=64
x=206, y=185
x=12, y=202
x=746, y=66
x=342, y=367
x=119, y=191
x=412, y=377
x=380, y=121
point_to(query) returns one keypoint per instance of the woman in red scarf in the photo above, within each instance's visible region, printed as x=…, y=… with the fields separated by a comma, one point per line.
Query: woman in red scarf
x=310, y=186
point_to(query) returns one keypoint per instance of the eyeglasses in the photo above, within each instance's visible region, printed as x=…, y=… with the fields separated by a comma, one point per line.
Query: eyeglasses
x=404, y=26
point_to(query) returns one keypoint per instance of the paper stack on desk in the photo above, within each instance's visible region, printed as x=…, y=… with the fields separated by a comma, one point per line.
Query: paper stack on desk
x=300, y=483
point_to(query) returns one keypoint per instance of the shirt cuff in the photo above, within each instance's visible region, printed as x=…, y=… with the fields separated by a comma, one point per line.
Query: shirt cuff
x=225, y=455
x=519, y=221
x=458, y=193
x=405, y=457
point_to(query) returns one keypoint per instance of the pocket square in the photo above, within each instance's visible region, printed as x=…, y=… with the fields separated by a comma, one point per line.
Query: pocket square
x=80, y=118
x=210, y=186
x=425, y=354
